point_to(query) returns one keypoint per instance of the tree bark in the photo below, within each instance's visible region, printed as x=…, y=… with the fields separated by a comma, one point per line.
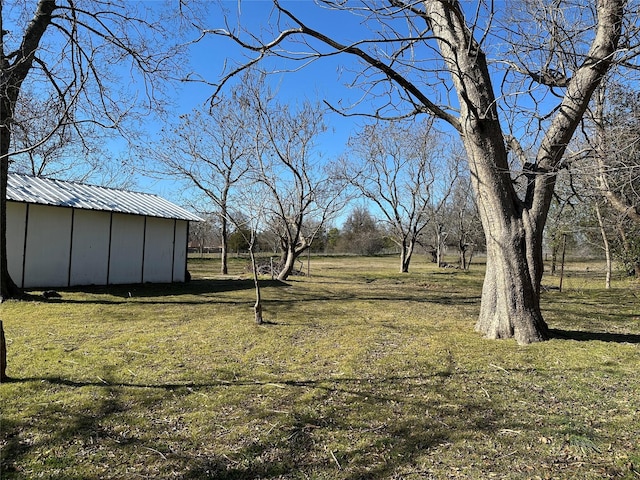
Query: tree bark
x=288, y=262
x=605, y=245
x=8, y=288
x=224, y=262
x=257, y=307
x=3, y=355
x=510, y=305
x=406, y=251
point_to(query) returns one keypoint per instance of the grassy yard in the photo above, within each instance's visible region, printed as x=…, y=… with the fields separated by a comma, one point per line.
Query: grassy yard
x=360, y=373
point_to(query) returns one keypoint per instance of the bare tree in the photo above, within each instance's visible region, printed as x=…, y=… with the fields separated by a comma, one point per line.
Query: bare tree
x=616, y=154
x=432, y=56
x=70, y=51
x=304, y=192
x=203, y=235
x=247, y=225
x=464, y=223
x=393, y=165
x=360, y=234
x=211, y=150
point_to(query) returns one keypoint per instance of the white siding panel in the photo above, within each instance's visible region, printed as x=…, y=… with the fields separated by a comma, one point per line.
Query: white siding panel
x=90, y=250
x=48, y=247
x=180, y=251
x=16, y=218
x=127, y=240
x=158, y=251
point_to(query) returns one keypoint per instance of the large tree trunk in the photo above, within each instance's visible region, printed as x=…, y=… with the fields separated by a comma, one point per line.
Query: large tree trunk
x=510, y=304
x=513, y=227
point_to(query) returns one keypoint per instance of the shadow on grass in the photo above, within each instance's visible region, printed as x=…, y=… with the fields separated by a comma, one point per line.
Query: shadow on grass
x=159, y=290
x=163, y=293
x=322, y=436
x=582, y=336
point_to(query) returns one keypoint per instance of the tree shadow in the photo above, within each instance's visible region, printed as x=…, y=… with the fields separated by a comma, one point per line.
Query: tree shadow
x=582, y=336
x=299, y=444
x=162, y=291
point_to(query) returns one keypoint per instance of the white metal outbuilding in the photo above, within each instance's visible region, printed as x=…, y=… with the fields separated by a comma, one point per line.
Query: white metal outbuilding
x=63, y=234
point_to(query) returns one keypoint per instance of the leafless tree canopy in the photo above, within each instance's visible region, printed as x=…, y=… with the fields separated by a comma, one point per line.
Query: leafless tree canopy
x=408, y=172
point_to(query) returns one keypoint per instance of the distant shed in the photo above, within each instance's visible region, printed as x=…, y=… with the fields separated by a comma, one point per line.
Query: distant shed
x=66, y=234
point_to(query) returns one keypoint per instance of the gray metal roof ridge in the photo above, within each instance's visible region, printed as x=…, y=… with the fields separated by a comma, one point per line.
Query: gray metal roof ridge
x=63, y=193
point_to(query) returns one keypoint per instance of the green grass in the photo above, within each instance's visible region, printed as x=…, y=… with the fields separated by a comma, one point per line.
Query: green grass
x=360, y=373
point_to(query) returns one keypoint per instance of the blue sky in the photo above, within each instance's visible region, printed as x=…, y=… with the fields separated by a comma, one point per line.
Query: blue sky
x=317, y=81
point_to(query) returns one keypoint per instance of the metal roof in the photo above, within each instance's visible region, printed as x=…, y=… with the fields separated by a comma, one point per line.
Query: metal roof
x=45, y=191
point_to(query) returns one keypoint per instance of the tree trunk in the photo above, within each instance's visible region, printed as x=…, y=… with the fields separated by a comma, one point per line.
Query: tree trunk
x=8, y=288
x=257, y=307
x=406, y=251
x=224, y=263
x=3, y=356
x=607, y=249
x=439, y=246
x=11, y=79
x=287, y=261
x=510, y=306
x=471, y=251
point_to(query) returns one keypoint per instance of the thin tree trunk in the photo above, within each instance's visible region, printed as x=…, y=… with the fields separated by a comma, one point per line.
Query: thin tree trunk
x=224, y=261
x=471, y=250
x=462, y=250
x=8, y=288
x=439, y=245
x=564, y=250
x=257, y=307
x=607, y=249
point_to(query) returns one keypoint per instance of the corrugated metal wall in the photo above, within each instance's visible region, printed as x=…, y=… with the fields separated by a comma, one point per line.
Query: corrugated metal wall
x=56, y=247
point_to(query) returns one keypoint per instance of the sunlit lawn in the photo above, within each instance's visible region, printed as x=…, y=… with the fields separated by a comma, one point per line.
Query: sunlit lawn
x=359, y=373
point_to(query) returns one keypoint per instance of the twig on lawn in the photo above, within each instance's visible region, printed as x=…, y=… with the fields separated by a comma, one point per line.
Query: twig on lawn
x=499, y=367
x=335, y=460
x=156, y=451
